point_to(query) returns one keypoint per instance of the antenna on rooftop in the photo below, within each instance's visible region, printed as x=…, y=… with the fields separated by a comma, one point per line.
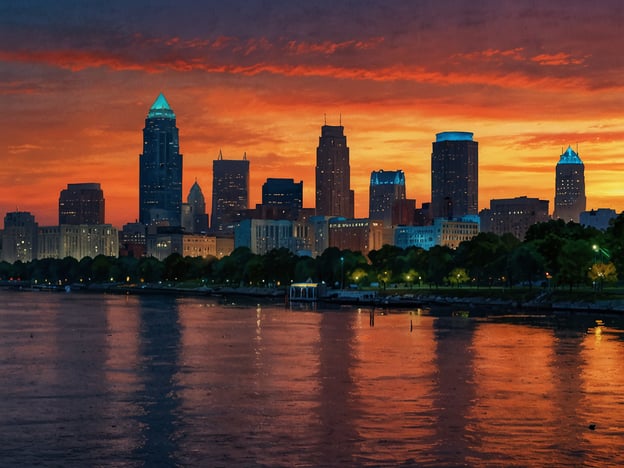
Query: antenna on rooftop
x=324, y=119
x=340, y=120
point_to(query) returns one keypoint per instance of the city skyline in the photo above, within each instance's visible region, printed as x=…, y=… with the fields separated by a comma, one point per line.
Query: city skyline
x=528, y=80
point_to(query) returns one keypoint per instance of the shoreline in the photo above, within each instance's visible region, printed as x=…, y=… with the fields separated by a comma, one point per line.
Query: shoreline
x=537, y=301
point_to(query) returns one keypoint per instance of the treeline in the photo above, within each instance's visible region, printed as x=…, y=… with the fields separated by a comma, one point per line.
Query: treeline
x=553, y=253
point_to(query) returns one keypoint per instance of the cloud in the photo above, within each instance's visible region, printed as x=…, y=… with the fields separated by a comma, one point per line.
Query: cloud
x=560, y=58
x=23, y=148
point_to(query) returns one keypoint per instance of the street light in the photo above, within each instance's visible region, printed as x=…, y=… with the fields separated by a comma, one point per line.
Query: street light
x=341, y=272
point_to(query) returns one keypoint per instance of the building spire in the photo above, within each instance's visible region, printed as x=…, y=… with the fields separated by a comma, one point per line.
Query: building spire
x=220, y=155
x=245, y=156
x=161, y=108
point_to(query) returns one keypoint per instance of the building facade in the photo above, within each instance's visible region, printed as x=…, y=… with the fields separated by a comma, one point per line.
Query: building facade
x=514, y=215
x=230, y=194
x=284, y=194
x=357, y=235
x=19, y=237
x=387, y=189
x=78, y=241
x=81, y=204
x=454, y=175
x=570, y=198
x=599, y=219
x=263, y=235
x=334, y=196
x=449, y=233
x=160, y=167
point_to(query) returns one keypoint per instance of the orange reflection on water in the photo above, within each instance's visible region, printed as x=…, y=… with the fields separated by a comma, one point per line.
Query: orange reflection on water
x=394, y=377
x=515, y=410
x=602, y=381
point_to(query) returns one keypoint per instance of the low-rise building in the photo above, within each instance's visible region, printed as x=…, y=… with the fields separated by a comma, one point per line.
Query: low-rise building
x=446, y=232
x=598, y=219
x=78, y=241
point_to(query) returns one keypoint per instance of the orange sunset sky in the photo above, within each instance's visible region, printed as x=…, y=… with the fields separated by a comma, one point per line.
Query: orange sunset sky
x=527, y=78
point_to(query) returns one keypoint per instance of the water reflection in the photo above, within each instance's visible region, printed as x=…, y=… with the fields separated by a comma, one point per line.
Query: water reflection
x=337, y=402
x=90, y=380
x=456, y=440
x=159, y=348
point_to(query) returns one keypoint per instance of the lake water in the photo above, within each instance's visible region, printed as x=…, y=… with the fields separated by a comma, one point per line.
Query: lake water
x=104, y=380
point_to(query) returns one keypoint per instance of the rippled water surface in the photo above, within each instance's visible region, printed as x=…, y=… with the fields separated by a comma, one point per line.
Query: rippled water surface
x=98, y=380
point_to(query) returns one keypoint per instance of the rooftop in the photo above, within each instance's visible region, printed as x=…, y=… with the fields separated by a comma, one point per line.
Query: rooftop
x=569, y=157
x=161, y=108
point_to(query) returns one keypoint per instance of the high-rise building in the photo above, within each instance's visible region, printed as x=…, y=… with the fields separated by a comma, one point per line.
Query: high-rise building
x=81, y=204
x=569, y=187
x=334, y=196
x=284, y=194
x=194, y=217
x=513, y=215
x=160, y=167
x=19, y=237
x=230, y=194
x=386, y=189
x=454, y=175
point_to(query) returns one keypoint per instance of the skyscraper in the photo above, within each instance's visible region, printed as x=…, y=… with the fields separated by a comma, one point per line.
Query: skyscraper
x=454, y=175
x=284, y=194
x=230, y=193
x=334, y=196
x=160, y=167
x=19, y=237
x=569, y=187
x=197, y=204
x=81, y=204
x=386, y=188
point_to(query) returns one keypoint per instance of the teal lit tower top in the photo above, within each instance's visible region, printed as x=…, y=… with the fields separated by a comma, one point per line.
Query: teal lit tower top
x=570, y=200
x=161, y=108
x=569, y=156
x=160, y=167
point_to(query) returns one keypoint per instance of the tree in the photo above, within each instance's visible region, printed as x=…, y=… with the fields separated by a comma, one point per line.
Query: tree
x=440, y=264
x=575, y=259
x=458, y=276
x=601, y=273
x=101, y=267
x=176, y=267
x=151, y=270
x=304, y=269
x=526, y=263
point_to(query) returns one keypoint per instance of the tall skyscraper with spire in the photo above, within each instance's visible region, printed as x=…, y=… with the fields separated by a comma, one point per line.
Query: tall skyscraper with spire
x=570, y=198
x=334, y=196
x=160, y=167
x=454, y=175
x=230, y=194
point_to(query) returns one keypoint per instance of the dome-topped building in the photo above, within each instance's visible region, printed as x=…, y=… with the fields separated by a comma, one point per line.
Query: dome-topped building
x=570, y=198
